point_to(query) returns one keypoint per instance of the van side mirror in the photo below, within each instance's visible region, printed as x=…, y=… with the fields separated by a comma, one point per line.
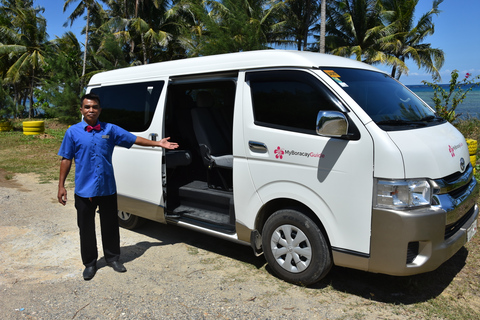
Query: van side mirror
x=332, y=124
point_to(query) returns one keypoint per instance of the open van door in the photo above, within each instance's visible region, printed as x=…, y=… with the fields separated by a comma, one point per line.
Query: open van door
x=138, y=170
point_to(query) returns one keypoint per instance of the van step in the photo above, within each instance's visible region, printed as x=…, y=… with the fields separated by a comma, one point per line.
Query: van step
x=197, y=195
x=199, y=204
x=201, y=215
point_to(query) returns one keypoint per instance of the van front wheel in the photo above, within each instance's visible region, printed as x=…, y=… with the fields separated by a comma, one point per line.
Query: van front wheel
x=295, y=247
x=129, y=221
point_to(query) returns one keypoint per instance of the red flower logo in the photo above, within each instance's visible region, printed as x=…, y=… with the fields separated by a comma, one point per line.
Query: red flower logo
x=279, y=153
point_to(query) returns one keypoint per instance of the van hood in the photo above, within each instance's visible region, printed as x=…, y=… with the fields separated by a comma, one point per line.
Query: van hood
x=432, y=152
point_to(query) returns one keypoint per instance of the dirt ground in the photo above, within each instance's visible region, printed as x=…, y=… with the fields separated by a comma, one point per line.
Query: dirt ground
x=174, y=273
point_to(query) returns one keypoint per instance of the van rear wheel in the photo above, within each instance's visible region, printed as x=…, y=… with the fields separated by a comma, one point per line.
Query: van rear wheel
x=129, y=221
x=295, y=247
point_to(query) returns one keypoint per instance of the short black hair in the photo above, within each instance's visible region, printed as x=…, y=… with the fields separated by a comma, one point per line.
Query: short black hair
x=90, y=96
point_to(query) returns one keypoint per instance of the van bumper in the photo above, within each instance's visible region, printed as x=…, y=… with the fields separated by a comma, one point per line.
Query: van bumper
x=411, y=242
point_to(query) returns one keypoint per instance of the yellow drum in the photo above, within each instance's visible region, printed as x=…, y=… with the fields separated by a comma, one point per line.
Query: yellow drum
x=472, y=146
x=33, y=127
x=472, y=150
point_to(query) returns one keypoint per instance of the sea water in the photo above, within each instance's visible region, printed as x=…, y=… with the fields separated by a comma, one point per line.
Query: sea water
x=469, y=108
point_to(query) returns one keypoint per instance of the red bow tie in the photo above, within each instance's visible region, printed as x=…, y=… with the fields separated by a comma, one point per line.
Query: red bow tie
x=96, y=128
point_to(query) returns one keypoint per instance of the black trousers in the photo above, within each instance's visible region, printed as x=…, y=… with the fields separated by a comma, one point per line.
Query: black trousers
x=86, y=208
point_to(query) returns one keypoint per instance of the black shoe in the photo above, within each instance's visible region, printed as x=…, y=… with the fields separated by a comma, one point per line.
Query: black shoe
x=89, y=272
x=117, y=266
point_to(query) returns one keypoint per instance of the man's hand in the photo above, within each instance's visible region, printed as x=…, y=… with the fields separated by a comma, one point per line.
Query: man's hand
x=164, y=143
x=65, y=166
x=62, y=195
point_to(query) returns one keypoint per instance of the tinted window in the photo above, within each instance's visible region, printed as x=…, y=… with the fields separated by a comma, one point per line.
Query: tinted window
x=130, y=106
x=387, y=102
x=288, y=99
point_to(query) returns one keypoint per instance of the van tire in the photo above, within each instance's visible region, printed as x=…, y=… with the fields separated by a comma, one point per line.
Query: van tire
x=129, y=221
x=306, y=244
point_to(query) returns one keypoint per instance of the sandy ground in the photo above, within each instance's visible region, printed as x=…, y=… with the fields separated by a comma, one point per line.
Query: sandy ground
x=173, y=273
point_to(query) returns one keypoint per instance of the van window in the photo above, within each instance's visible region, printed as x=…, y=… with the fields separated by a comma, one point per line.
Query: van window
x=130, y=106
x=288, y=99
x=391, y=105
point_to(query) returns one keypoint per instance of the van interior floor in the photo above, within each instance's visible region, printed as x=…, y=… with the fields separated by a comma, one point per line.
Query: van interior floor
x=201, y=205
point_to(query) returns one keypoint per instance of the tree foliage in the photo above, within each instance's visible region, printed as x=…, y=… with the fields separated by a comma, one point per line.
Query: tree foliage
x=120, y=33
x=60, y=90
x=447, y=101
x=22, y=47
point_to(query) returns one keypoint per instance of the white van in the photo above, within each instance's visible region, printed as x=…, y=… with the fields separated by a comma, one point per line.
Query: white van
x=312, y=159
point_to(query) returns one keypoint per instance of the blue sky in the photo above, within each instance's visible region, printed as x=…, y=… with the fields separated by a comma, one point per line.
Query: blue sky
x=457, y=33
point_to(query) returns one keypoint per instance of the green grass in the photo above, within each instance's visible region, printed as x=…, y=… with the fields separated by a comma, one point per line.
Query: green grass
x=20, y=153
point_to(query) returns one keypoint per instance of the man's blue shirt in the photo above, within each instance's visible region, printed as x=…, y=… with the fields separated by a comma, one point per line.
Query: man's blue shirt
x=92, y=152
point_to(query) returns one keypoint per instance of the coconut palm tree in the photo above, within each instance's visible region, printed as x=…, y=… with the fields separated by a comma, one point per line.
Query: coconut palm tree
x=354, y=27
x=300, y=18
x=83, y=6
x=23, y=47
x=229, y=26
x=142, y=26
x=61, y=84
x=404, y=39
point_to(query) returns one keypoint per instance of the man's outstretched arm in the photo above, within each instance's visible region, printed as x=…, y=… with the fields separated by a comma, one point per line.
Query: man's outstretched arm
x=164, y=143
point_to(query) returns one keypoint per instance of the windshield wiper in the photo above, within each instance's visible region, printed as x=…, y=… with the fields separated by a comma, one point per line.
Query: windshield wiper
x=394, y=122
x=402, y=122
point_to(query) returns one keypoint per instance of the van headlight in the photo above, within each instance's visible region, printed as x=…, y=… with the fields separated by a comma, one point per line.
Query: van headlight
x=403, y=194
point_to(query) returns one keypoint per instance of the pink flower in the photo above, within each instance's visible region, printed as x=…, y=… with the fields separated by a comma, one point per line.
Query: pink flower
x=468, y=75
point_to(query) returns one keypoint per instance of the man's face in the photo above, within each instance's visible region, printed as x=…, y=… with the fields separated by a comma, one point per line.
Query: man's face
x=91, y=111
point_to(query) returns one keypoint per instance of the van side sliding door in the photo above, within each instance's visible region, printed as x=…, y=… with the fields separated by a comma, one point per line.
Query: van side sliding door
x=138, y=108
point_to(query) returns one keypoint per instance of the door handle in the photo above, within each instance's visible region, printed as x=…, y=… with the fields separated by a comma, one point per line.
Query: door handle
x=256, y=146
x=153, y=136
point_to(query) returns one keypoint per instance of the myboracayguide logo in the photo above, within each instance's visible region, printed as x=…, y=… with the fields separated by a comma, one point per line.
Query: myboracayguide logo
x=281, y=152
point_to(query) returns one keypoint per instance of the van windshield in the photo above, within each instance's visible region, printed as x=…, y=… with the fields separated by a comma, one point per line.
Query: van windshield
x=390, y=105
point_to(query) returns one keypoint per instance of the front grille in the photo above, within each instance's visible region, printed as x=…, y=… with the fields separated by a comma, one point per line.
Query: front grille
x=456, y=194
x=456, y=183
x=456, y=176
x=459, y=191
x=451, y=229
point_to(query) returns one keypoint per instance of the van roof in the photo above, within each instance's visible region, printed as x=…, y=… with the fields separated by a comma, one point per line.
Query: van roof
x=227, y=62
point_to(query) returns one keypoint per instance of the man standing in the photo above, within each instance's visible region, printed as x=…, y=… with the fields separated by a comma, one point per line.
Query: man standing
x=91, y=144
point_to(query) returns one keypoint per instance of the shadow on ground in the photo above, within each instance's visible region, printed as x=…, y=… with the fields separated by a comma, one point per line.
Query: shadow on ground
x=170, y=234
x=371, y=286
x=396, y=289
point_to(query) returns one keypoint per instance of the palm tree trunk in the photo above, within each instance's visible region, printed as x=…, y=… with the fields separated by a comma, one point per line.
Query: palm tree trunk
x=85, y=50
x=323, y=14
x=144, y=48
x=306, y=23
x=394, y=71
x=15, y=100
x=30, y=110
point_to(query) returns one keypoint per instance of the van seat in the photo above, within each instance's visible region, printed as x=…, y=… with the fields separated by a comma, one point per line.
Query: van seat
x=214, y=146
x=178, y=158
